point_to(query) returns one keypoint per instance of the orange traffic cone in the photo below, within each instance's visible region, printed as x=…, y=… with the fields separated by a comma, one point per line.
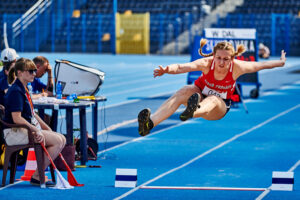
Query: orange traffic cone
x=31, y=165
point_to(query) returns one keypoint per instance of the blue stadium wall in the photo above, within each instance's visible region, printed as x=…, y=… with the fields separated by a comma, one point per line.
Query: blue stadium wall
x=58, y=30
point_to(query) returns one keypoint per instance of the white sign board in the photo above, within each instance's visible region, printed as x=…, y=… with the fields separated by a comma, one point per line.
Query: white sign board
x=229, y=33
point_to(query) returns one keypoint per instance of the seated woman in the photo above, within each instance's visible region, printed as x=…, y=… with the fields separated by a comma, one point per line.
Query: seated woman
x=19, y=110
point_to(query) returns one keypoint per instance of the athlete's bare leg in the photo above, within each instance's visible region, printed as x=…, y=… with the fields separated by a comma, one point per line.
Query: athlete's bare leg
x=211, y=108
x=172, y=104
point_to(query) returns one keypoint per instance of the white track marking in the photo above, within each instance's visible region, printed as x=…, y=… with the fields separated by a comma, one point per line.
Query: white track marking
x=265, y=193
x=208, y=151
x=201, y=188
x=10, y=185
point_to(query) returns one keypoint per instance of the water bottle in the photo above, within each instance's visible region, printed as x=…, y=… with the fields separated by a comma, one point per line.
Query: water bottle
x=29, y=86
x=59, y=90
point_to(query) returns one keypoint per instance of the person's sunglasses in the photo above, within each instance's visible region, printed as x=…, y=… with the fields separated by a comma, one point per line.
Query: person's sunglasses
x=31, y=71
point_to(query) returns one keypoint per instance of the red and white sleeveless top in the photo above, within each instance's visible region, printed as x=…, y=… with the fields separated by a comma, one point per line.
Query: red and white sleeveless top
x=221, y=88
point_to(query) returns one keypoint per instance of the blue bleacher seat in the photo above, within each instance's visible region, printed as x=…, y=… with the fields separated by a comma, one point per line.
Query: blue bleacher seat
x=258, y=17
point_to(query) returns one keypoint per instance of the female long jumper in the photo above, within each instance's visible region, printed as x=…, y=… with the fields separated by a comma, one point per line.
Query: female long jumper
x=209, y=97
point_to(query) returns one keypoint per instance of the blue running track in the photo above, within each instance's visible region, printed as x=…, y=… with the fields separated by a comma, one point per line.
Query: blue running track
x=241, y=150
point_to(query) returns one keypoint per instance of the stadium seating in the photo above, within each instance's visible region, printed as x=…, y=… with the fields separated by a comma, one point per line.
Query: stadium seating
x=168, y=18
x=93, y=9
x=259, y=15
x=269, y=6
x=16, y=6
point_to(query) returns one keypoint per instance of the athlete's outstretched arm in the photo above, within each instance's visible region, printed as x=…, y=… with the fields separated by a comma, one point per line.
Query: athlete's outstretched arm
x=250, y=67
x=197, y=65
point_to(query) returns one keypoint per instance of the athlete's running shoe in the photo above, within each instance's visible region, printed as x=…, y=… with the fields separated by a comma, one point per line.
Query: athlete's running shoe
x=145, y=123
x=192, y=106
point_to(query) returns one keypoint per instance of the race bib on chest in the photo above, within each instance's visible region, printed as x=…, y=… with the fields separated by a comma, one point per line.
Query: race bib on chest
x=208, y=91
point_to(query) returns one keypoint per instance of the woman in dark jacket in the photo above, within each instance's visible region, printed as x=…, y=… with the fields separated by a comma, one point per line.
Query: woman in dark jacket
x=19, y=110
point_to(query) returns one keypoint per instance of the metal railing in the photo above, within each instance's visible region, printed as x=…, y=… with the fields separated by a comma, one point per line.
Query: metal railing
x=29, y=16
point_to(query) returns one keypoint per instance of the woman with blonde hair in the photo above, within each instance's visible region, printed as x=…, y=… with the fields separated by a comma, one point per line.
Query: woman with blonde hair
x=19, y=110
x=210, y=95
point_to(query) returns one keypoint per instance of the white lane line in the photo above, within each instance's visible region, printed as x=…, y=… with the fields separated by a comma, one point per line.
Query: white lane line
x=10, y=185
x=201, y=188
x=118, y=125
x=122, y=103
x=140, y=138
x=294, y=167
x=115, y=126
x=128, y=82
x=172, y=92
x=208, y=151
x=141, y=88
x=124, y=123
x=265, y=193
x=15, y=183
x=139, y=99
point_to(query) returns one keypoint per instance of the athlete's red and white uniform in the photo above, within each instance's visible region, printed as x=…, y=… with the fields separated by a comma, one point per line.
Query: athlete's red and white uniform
x=221, y=88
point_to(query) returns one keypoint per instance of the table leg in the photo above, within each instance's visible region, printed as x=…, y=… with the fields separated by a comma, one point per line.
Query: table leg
x=69, y=125
x=83, y=135
x=95, y=121
x=53, y=123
